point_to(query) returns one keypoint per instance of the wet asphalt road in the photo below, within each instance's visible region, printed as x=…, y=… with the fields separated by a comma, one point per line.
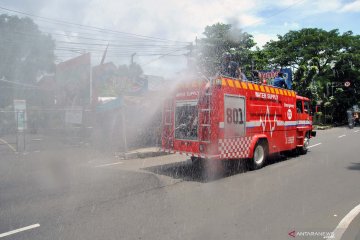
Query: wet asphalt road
x=77, y=194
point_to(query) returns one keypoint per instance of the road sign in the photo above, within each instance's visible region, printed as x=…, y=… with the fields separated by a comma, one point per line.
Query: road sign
x=20, y=114
x=347, y=84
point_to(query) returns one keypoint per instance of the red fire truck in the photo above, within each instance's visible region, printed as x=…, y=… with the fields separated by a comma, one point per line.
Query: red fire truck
x=227, y=119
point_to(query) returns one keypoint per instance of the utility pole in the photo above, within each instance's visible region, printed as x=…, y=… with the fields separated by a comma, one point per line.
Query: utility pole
x=123, y=125
x=123, y=116
x=132, y=58
x=91, y=85
x=104, y=55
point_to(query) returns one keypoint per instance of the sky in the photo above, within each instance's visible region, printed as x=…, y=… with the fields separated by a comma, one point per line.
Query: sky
x=184, y=21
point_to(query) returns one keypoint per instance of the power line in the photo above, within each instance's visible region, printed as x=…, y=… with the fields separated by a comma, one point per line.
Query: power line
x=123, y=49
x=162, y=56
x=124, y=38
x=20, y=84
x=145, y=46
x=96, y=46
x=114, y=45
x=148, y=43
x=88, y=27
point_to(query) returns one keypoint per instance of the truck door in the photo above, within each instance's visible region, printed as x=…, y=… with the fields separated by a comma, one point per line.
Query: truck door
x=303, y=116
x=303, y=111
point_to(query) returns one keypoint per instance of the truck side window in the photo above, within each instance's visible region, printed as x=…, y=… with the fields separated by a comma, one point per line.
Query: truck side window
x=307, y=107
x=299, y=106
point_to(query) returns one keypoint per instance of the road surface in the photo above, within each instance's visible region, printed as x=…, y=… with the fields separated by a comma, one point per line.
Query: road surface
x=72, y=193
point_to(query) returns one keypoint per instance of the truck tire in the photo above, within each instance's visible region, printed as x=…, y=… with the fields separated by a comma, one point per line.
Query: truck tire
x=259, y=157
x=303, y=150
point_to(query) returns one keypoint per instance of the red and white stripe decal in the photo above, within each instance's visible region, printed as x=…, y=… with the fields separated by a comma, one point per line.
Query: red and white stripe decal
x=235, y=147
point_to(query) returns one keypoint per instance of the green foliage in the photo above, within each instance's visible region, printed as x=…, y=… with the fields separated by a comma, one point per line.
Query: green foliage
x=25, y=54
x=328, y=119
x=260, y=58
x=221, y=38
x=322, y=61
x=318, y=118
x=308, y=46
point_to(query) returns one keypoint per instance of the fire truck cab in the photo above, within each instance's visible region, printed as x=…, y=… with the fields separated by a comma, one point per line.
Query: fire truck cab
x=225, y=119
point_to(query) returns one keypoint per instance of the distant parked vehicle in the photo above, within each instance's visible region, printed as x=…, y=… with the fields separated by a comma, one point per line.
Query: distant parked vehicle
x=353, y=116
x=350, y=119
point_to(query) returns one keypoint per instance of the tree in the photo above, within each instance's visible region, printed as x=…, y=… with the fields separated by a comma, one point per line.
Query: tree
x=221, y=38
x=346, y=69
x=320, y=59
x=260, y=59
x=25, y=54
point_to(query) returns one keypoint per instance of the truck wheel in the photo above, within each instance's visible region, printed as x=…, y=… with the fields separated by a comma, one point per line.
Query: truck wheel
x=259, y=157
x=303, y=150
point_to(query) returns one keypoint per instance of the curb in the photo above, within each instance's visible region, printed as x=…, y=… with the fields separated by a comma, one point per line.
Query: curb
x=323, y=127
x=134, y=155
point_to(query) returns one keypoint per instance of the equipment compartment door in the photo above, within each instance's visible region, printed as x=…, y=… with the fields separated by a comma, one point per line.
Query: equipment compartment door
x=234, y=116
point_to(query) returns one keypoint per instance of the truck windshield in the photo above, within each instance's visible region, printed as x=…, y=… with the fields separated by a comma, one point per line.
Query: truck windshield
x=299, y=108
x=186, y=120
x=307, y=107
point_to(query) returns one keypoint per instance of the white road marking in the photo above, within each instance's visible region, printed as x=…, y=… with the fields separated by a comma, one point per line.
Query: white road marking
x=341, y=136
x=19, y=230
x=345, y=222
x=5, y=142
x=314, y=145
x=356, y=130
x=109, y=164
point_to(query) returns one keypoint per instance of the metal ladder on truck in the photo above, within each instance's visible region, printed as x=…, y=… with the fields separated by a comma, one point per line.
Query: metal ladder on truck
x=205, y=115
x=168, y=125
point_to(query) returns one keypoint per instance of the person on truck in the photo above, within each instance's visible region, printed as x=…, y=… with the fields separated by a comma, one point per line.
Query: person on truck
x=229, y=68
x=255, y=77
x=242, y=75
x=279, y=81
